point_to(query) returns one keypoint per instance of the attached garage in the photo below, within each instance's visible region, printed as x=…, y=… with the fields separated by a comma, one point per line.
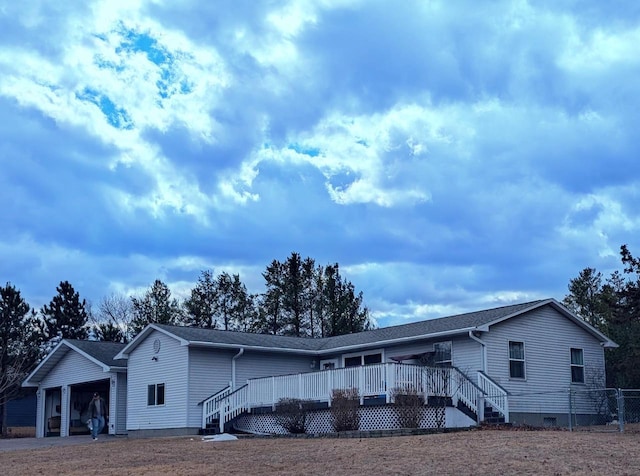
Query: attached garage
x=66, y=381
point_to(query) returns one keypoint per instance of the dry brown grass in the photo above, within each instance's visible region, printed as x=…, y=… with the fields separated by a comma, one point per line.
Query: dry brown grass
x=474, y=452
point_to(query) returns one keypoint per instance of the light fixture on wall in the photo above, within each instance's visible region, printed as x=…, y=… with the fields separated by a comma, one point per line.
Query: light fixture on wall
x=313, y=364
x=154, y=358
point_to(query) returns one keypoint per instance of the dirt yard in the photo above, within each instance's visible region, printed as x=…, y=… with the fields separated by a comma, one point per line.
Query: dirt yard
x=474, y=452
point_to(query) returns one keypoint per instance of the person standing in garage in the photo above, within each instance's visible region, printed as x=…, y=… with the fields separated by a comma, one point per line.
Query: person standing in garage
x=98, y=412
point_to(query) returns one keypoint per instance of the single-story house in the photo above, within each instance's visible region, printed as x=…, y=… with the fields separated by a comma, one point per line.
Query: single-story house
x=512, y=362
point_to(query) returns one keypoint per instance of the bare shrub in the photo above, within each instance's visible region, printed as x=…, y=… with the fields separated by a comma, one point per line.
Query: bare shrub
x=345, y=409
x=294, y=414
x=408, y=406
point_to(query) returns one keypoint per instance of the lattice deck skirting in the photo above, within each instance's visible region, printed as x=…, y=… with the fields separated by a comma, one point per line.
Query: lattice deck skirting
x=379, y=417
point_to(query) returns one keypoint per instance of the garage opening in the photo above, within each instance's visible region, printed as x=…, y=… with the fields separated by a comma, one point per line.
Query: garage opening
x=80, y=398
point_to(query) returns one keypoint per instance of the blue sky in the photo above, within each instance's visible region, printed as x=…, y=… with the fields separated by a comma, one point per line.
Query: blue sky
x=451, y=156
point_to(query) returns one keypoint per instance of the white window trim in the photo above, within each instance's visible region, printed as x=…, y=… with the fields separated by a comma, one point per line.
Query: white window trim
x=362, y=354
x=156, y=404
x=572, y=365
x=435, y=352
x=523, y=360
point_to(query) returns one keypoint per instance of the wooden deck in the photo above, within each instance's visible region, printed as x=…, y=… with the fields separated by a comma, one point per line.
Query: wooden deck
x=376, y=380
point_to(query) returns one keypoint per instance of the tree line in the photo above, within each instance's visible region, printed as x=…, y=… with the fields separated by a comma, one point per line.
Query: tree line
x=612, y=305
x=301, y=299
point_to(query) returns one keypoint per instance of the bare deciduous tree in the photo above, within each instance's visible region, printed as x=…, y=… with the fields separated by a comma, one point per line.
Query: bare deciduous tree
x=112, y=321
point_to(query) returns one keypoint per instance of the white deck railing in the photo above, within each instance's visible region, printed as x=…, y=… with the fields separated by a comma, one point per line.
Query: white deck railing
x=211, y=406
x=495, y=395
x=377, y=380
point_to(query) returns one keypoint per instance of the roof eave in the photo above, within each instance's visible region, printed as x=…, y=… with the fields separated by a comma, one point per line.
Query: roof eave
x=26, y=382
x=333, y=350
x=261, y=348
x=399, y=340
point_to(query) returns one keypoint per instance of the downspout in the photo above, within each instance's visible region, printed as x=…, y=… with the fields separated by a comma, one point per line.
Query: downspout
x=233, y=368
x=472, y=336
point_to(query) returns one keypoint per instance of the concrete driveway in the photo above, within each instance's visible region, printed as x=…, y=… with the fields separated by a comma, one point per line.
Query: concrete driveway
x=12, y=444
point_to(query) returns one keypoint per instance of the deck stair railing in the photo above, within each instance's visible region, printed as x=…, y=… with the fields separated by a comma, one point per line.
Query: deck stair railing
x=495, y=395
x=377, y=381
x=211, y=406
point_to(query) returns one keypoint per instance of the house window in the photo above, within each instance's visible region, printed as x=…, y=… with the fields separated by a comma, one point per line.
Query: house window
x=353, y=361
x=363, y=359
x=155, y=394
x=516, y=360
x=442, y=355
x=577, y=366
x=372, y=359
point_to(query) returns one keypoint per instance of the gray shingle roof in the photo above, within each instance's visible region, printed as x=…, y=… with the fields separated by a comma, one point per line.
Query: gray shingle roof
x=101, y=351
x=217, y=336
x=449, y=324
x=433, y=326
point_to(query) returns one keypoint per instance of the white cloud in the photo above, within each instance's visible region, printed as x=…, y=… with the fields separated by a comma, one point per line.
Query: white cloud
x=600, y=50
x=600, y=221
x=451, y=156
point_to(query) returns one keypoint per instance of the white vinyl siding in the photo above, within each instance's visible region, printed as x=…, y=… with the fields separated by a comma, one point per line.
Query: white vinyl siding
x=548, y=338
x=467, y=356
x=266, y=364
x=209, y=372
x=73, y=368
x=170, y=368
x=120, y=404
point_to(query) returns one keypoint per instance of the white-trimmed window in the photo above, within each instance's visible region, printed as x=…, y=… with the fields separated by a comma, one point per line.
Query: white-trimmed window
x=370, y=357
x=155, y=394
x=442, y=356
x=577, y=366
x=516, y=360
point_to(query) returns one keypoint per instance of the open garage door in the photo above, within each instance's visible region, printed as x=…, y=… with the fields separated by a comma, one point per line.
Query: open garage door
x=80, y=398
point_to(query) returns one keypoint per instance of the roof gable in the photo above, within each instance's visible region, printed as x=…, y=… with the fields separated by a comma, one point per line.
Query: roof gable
x=101, y=353
x=584, y=325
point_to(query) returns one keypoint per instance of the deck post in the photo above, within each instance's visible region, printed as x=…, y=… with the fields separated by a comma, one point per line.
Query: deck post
x=222, y=415
x=480, y=408
x=273, y=394
x=506, y=409
x=390, y=380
